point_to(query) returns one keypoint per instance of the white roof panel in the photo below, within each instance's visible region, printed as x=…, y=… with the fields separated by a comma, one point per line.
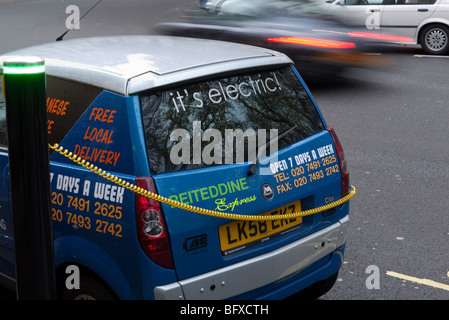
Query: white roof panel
x=127, y=64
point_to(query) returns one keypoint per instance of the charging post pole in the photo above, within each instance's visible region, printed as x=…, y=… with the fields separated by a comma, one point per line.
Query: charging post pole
x=26, y=116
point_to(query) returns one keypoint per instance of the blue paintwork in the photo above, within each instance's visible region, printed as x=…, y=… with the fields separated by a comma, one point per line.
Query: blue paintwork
x=114, y=254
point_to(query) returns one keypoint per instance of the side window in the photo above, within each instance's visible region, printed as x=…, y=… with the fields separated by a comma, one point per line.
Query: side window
x=363, y=2
x=66, y=102
x=427, y=1
x=412, y=1
x=3, y=132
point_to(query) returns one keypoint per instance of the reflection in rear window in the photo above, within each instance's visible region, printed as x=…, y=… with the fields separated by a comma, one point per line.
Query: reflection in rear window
x=226, y=121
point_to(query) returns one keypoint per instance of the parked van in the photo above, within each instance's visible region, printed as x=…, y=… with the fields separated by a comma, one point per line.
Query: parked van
x=219, y=126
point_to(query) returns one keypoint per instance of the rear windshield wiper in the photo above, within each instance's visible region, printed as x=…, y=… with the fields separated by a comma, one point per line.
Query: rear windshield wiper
x=253, y=168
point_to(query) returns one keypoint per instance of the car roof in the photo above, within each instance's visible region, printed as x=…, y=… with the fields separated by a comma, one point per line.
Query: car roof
x=130, y=64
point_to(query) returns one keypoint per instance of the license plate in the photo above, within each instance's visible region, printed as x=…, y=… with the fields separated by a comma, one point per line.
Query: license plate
x=239, y=235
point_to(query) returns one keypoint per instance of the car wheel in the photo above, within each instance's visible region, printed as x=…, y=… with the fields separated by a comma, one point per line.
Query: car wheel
x=89, y=289
x=434, y=39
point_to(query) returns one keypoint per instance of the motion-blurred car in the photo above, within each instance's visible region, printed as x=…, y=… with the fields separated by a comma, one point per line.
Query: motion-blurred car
x=423, y=22
x=316, y=42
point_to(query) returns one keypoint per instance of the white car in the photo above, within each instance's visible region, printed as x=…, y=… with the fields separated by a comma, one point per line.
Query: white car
x=424, y=22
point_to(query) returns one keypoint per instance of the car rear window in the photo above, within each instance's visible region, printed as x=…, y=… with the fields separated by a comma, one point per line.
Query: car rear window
x=226, y=120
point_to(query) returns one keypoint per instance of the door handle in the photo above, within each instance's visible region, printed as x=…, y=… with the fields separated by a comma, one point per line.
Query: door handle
x=374, y=10
x=423, y=10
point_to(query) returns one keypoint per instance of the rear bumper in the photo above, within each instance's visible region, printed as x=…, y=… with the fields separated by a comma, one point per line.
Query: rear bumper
x=257, y=272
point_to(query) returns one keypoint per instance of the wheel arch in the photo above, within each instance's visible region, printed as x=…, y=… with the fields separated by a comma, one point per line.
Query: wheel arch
x=62, y=275
x=427, y=23
x=92, y=261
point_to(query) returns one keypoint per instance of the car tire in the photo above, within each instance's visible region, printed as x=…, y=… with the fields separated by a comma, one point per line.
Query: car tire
x=89, y=289
x=434, y=39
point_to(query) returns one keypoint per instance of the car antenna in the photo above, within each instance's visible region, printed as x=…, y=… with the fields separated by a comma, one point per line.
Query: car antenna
x=62, y=35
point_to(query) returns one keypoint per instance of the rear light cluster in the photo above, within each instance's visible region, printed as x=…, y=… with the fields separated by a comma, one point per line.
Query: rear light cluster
x=343, y=165
x=151, y=228
x=314, y=42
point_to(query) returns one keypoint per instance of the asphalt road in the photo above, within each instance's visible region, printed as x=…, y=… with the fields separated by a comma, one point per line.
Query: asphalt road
x=31, y=22
x=393, y=123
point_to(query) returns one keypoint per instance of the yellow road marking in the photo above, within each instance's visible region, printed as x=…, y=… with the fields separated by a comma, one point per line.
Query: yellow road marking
x=426, y=282
x=429, y=56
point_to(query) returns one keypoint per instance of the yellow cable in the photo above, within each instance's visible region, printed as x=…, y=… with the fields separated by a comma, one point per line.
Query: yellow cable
x=191, y=208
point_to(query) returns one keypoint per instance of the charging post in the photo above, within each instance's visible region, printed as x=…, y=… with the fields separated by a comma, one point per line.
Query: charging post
x=26, y=116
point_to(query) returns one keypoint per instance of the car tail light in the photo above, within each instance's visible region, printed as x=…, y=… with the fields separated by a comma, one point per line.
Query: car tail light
x=151, y=228
x=314, y=42
x=343, y=165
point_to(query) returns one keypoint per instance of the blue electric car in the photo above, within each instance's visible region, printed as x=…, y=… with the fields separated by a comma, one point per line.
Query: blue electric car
x=220, y=126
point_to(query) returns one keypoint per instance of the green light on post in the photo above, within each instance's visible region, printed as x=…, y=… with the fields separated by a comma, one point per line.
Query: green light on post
x=26, y=116
x=23, y=70
x=23, y=65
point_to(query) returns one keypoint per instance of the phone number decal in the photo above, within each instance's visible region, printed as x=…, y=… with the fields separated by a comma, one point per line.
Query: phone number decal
x=87, y=215
x=302, y=169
